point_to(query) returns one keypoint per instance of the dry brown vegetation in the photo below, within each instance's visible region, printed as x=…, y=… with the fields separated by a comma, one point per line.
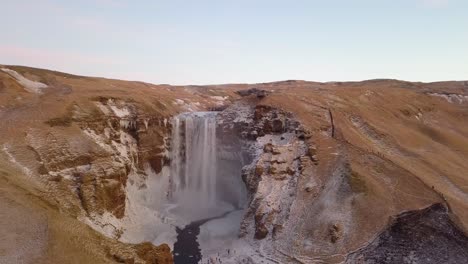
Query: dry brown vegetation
x=405, y=149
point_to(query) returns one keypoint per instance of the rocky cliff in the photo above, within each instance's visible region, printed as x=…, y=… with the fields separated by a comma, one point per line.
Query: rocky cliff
x=82, y=144
x=334, y=165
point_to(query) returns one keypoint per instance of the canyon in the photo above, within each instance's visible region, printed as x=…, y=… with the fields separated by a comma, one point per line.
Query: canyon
x=96, y=170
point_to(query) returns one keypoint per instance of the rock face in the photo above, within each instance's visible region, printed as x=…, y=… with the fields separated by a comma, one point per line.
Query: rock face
x=259, y=93
x=424, y=236
x=275, y=182
x=119, y=139
x=151, y=254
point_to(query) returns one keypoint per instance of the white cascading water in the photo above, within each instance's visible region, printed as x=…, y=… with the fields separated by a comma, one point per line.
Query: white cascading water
x=194, y=183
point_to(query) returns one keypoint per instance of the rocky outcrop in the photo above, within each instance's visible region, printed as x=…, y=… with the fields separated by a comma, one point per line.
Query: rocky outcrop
x=423, y=236
x=274, y=142
x=142, y=253
x=273, y=182
x=151, y=254
x=259, y=93
x=452, y=97
x=307, y=187
x=85, y=162
x=120, y=139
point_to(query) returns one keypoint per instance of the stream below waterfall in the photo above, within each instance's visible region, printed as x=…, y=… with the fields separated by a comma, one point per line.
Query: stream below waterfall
x=187, y=248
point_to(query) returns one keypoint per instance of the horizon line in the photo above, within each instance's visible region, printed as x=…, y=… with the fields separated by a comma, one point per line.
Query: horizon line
x=233, y=83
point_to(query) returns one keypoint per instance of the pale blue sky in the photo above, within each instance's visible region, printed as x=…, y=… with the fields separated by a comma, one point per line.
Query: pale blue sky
x=216, y=41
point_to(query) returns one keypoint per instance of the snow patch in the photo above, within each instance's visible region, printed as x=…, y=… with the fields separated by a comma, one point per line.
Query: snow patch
x=218, y=235
x=101, y=141
x=242, y=113
x=188, y=107
x=452, y=98
x=111, y=107
x=103, y=108
x=179, y=101
x=220, y=98
x=127, y=148
x=120, y=112
x=145, y=218
x=418, y=116
x=29, y=85
x=69, y=172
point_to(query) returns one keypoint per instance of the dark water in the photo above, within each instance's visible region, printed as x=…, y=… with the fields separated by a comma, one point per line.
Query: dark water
x=186, y=248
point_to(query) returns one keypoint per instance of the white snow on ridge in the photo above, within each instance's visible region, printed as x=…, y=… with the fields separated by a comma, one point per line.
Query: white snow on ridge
x=188, y=106
x=452, y=98
x=220, y=98
x=118, y=108
x=30, y=86
x=103, y=108
x=120, y=112
x=179, y=102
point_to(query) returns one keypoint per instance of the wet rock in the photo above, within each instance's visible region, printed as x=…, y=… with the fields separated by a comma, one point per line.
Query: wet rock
x=276, y=230
x=278, y=159
x=267, y=127
x=273, y=170
x=260, y=231
x=312, y=151
x=259, y=170
x=254, y=135
x=314, y=159
x=301, y=135
x=156, y=163
x=275, y=150
x=261, y=133
x=277, y=126
x=253, y=91
x=304, y=159
x=268, y=148
x=335, y=232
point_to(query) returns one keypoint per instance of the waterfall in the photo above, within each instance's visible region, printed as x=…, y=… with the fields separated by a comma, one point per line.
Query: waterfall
x=206, y=193
x=194, y=166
